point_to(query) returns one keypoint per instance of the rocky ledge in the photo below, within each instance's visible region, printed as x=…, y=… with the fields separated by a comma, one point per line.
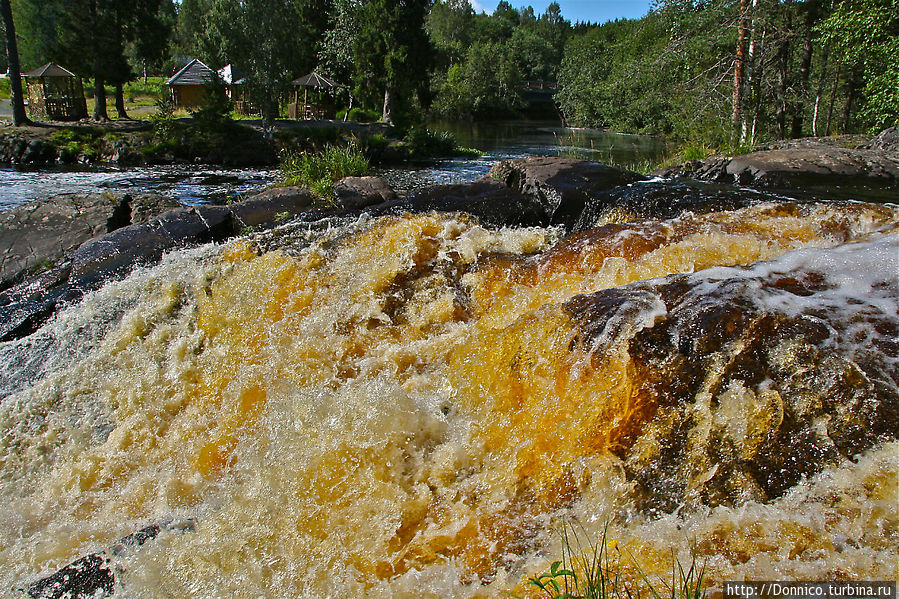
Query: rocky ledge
x=800, y=162
x=56, y=251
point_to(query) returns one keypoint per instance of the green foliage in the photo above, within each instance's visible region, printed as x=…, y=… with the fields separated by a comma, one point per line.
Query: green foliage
x=274, y=41
x=359, y=115
x=866, y=32
x=214, y=113
x=164, y=117
x=595, y=572
x=319, y=171
x=431, y=143
x=483, y=60
x=4, y=88
x=485, y=85
x=392, y=55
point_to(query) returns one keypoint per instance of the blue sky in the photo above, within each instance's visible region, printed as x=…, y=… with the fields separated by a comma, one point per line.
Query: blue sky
x=598, y=11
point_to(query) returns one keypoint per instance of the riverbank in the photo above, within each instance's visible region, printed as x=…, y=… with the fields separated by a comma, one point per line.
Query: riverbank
x=228, y=143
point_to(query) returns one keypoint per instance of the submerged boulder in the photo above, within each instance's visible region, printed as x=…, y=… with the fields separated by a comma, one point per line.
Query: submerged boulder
x=490, y=201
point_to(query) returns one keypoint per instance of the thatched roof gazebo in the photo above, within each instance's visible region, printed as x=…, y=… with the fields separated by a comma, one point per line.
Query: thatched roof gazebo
x=312, y=81
x=55, y=93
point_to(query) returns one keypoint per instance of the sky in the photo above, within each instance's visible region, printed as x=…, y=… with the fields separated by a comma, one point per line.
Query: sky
x=597, y=11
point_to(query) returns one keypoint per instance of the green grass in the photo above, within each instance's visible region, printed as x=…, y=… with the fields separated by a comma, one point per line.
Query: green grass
x=319, y=171
x=4, y=88
x=594, y=571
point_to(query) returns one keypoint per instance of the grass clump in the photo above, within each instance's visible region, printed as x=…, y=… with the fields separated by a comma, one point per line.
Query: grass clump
x=319, y=171
x=596, y=572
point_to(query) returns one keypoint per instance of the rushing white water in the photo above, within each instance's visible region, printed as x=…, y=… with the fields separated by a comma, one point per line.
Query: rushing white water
x=411, y=405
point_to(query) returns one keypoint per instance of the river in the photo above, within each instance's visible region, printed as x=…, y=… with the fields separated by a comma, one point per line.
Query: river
x=420, y=406
x=206, y=184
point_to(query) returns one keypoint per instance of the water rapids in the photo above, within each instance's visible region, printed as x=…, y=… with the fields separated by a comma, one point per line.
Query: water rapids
x=410, y=406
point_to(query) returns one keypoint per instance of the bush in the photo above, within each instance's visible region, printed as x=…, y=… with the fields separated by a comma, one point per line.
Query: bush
x=360, y=115
x=431, y=143
x=319, y=171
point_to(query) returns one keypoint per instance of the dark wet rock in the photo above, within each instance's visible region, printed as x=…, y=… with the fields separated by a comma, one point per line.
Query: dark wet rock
x=798, y=163
x=272, y=205
x=747, y=383
x=360, y=192
x=562, y=187
x=19, y=149
x=663, y=199
x=39, y=234
x=491, y=201
x=94, y=575
x=28, y=301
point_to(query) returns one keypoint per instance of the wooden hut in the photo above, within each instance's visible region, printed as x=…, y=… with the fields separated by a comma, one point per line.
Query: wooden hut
x=188, y=85
x=55, y=93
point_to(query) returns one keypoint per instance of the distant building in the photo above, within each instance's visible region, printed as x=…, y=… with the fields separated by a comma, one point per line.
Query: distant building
x=235, y=86
x=54, y=93
x=188, y=85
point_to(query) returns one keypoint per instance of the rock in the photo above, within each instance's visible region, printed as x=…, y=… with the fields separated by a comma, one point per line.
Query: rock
x=117, y=252
x=745, y=381
x=801, y=163
x=359, y=192
x=39, y=234
x=266, y=208
x=562, y=187
x=886, y=141
x=28, y=301
x=94, y=575
x=489, y=200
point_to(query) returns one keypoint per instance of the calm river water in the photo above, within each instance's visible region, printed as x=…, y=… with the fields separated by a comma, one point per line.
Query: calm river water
x=201, y=184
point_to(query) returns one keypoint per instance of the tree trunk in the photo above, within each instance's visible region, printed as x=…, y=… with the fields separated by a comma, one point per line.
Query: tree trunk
x=120, y=102
x=751, y=75
x=783, y=61
x=100, y=113
x=851, y=92
x=17, y=98
x=387, y=113
x=820, y=90
x=740, y=66
x=805, y=63
x=833, y=96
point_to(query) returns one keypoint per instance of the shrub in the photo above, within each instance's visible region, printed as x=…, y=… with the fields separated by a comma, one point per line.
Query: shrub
x=431, y=143
x=319, y=171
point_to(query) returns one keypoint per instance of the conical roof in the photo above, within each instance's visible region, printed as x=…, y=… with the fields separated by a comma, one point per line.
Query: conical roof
x=50, y=70
x=314, y=80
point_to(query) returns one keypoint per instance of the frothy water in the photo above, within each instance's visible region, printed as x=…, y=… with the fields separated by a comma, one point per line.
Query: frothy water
x=411, y=405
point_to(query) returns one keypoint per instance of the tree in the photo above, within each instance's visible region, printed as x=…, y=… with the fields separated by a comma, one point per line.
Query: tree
x=92, y=35
x=393, y=54
x=19, y=117
x=273, y=41
x=865, y=34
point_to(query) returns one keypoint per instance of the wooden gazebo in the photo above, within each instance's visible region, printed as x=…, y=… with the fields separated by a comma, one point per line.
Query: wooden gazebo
x=308, y=110
x=55, y=93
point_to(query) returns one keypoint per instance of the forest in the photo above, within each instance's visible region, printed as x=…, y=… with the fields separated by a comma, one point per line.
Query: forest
x=716, y=72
